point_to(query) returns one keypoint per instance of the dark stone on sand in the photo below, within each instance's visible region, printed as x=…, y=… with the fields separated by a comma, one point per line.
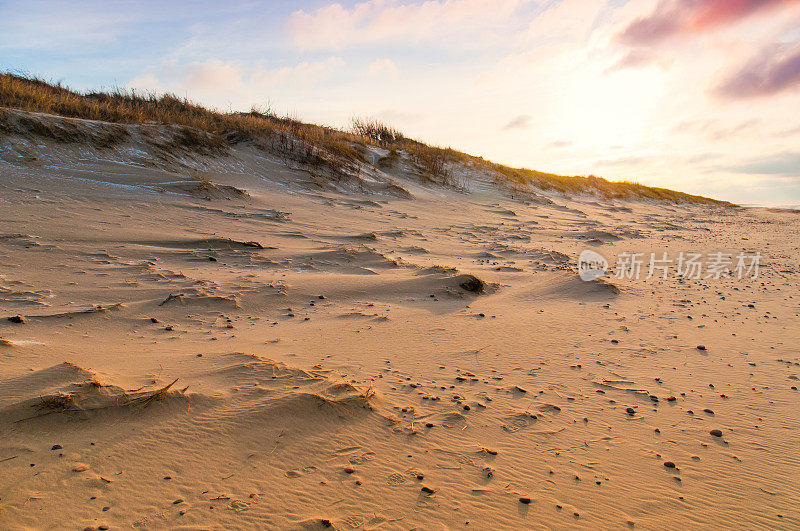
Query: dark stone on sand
x=716, y=433
x=325, y=523
x=701, y=347
x=669, y=464
x=427, y=490
x=153, y=320
x=525, y=500
x=466, y=407
x=709, y=411
x=178, y=501
x=473, y=284
x=56, y=447
x=349, y=470
x=630, y=411
x=420, y=477
x=671, y=399
x=19, y=319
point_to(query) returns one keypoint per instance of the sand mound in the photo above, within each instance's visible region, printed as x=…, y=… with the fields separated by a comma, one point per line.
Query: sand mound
x=561, y=284
x=207, y=190
x=207, y=244
x=68, y=391
x=97, y=309
x=205, y=301
x=362, y=260
x=598, y=235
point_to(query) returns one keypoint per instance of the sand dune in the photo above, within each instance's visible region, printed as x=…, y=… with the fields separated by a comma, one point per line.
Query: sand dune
x=280, y=352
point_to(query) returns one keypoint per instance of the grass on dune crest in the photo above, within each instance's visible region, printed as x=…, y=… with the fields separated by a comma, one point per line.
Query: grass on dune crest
x=210, y=131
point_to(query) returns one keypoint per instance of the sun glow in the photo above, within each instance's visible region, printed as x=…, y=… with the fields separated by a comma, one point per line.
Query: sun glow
x=598, y=110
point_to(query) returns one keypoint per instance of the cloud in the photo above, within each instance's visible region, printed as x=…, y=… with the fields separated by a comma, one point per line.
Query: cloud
x=782, y=164
x=674, y=17
x=772, y=72
x=523, y=121
x=213, y=75
x=637, y=58
x=383, y=69
x=48, y=26
x=335, y=27
x=558, y=144
x=219, y=81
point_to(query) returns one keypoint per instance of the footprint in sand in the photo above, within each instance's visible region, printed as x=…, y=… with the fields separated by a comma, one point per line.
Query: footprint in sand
x=361, y=459
x=296, y=473
x=396, y=479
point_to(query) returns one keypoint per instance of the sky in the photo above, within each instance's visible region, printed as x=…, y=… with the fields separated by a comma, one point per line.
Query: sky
x=701, y=96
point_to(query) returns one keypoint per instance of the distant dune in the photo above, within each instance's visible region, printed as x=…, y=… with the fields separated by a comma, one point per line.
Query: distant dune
x=170, y=130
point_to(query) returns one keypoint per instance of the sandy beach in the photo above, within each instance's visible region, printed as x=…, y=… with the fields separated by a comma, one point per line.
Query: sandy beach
x=225, y=343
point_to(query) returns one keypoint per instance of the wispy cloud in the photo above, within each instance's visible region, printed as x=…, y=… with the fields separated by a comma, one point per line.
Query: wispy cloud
x=782, y=164
x=775, y=70
x=383, y=69
x=674, y=17
x=522, y=121
x=219, y=81
x=336, y=27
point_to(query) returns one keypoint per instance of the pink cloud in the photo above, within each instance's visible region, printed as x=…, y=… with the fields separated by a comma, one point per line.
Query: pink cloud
x=772, y=72
x=674, y=17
